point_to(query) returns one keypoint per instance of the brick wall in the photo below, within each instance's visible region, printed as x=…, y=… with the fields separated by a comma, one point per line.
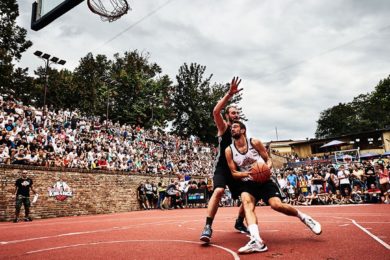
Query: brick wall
x=93, y=192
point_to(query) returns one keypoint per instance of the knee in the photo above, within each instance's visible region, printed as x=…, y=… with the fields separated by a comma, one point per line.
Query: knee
x=218, y=192
x=247, y=202
x=276, y=206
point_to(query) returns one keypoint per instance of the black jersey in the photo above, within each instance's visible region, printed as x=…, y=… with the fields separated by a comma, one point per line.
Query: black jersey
x=224, y=141
x=23, y=186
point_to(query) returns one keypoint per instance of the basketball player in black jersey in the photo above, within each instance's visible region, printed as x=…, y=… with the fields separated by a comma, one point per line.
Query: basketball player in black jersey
x=222, y=175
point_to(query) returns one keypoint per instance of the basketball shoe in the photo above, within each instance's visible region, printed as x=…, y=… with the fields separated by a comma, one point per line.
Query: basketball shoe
x=314, y=226
x=253, y=246
x=206, y=234
x=241, y=227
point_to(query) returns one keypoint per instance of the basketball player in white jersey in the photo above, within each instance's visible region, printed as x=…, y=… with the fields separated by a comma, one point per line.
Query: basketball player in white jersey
x=240, y=155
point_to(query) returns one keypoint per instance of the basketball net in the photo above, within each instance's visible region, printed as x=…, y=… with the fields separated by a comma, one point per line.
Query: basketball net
x=111, y=10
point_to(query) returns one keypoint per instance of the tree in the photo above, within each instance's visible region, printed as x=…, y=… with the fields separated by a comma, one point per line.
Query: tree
x=193, y=100
x=87, y=85
x=366, y=112
x=12, y=42
x=333, y=121
x=141, y=92
x=379, y=105
x=23, y=86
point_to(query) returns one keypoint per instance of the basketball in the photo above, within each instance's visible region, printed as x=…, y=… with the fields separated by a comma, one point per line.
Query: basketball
x=260, y=172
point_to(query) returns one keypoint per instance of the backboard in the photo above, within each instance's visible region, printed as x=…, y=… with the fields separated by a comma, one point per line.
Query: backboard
x=46, y=11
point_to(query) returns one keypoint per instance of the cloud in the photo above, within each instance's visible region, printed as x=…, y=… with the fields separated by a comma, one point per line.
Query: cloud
x=296, y=58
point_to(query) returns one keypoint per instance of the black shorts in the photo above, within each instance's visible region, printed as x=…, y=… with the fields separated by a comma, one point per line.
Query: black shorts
x=222, y=178
x=150, y=196
x=263, y=191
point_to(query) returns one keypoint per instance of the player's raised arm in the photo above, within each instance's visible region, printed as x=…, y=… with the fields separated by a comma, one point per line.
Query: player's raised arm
x=218, y=118
x=233, y=167
x=260, y=148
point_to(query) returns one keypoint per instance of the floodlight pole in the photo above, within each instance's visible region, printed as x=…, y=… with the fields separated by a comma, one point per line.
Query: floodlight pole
x=107, y=81
x=46, y=58
x=46, y=85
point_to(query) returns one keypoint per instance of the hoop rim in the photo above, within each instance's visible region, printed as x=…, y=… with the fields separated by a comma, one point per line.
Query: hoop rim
x=109, y=16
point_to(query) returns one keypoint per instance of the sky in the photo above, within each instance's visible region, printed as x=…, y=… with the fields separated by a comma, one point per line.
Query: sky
x=295, y=58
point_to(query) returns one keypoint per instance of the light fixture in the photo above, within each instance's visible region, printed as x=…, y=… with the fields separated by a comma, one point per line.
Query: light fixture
x=46, y=56
x=38, y=53
x=54, y=59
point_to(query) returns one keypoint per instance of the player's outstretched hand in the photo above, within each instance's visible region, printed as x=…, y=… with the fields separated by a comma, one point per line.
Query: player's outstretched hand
x=234, y=86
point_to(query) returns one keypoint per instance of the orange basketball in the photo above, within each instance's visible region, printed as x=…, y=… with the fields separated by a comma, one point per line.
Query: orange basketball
x=260, y=172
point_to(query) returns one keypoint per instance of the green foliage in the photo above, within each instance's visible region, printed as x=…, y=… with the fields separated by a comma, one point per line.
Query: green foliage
x=12, y=43
x=140, y=95
x=366, y=112
x=193, y=100
x=87, y=85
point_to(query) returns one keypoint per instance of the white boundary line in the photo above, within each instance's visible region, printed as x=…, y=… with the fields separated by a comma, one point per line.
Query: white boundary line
x=387, y=246
x=89, y=232
x=380, y=241
x=234, y=254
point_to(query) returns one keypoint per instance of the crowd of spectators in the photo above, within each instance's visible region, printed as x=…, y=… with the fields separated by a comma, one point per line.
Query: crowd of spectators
x=68, y=139
x=345, y=183
x=174, y=195
x=294, y=157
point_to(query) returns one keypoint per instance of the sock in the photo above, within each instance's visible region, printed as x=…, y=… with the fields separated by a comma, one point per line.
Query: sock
x=240, y=219
x=209, y=221
x=301, y=215
x=254, y=231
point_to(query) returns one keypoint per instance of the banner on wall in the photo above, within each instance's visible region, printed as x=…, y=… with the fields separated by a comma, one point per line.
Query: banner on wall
x=196, y=196
x=60, y=190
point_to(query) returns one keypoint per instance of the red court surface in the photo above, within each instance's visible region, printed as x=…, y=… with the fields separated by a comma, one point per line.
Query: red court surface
x=349, y=232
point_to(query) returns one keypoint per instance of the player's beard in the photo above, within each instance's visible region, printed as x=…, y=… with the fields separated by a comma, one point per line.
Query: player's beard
x=236, y=136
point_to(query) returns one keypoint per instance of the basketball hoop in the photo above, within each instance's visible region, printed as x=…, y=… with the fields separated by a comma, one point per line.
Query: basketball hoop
x=113, y=10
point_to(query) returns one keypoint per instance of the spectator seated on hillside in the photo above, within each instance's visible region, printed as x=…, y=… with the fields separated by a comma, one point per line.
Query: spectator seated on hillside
x=372, y=195
x=66, y=138
x=356, y=195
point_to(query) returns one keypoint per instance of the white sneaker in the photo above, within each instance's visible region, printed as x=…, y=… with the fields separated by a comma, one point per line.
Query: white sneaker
x=312, y=224
x=253, y=246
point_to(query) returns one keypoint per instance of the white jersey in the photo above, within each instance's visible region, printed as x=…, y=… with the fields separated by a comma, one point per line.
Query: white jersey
x=245, y=160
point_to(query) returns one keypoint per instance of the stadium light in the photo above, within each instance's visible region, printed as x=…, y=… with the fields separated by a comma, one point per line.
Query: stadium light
x=46, y=58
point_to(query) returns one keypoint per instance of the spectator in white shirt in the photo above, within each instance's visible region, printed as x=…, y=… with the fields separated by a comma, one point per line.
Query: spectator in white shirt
x=343, y=176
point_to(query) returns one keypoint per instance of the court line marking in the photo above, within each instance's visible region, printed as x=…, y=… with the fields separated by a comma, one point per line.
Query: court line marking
x=383, y=243
x=86, y=232
x=234, y=254
x=124, y=217
x=116, y=228
x=237, y=232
